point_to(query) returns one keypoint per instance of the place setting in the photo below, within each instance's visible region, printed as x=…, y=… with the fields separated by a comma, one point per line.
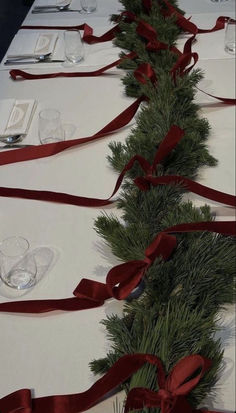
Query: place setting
x=45, y=49
x=33, y=48
x=16, y=117
x=64, y=6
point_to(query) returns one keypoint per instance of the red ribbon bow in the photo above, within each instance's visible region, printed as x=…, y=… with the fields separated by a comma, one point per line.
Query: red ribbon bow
x=145, y=72
x=170, y=396
x=153, y=45
x=149, y=33
x=172, y=389
x=90, y=294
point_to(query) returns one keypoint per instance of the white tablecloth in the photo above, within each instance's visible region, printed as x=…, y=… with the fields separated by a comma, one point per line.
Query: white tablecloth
x=51, y=353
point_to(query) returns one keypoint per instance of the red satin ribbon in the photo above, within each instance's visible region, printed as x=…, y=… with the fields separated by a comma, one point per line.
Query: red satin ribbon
x=180, y=68
x=226, y=101
x=145, y=72
x=17, y=74
x=187, y=25
x=91, y=294
x=145, y=30
x=42, y=151
x=147, y=4
x=142, y=73
x=172, y=390
x=149, y=33
x=170, y=141
x=144, y=183
x=88, y=36
x=182, y=65
x=170, y=396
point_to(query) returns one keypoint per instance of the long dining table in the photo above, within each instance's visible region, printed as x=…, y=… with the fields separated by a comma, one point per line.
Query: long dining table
x=50, y=353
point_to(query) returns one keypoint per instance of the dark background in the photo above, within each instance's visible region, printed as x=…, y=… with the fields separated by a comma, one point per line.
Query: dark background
x=12, y=13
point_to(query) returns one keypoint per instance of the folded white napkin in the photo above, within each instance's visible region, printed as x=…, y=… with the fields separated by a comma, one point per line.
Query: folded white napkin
x=15, y=116
x=52, y=2
x=32, y=44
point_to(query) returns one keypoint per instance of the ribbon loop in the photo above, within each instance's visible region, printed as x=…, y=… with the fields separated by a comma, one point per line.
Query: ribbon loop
x=17, y=402
x=165, y=395
x=144, y=183
x=162, y=245
x=173, y=389
x=149, y=33
x=145, y=72
x=127, y=275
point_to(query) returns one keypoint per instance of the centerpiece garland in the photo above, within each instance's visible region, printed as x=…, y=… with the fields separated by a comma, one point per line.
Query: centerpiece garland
x=176, y=314
x=164, y=353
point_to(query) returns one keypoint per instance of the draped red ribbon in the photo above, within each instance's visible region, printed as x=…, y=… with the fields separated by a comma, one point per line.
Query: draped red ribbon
x=170, y=141
x=91, y=294
x=182, y=65
x=186, y=24
x=145, y=30
x=42, y=151
x=173, y=389
x=17, y=74
x=149, y=33
x=144, y=184
x=88, y=36
x=145, y=72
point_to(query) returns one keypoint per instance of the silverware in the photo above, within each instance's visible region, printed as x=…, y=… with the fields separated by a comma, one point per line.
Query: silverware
x=30, y=56
x=14, y=62
x=60, y=8
x=11, y=139
x=54, y=10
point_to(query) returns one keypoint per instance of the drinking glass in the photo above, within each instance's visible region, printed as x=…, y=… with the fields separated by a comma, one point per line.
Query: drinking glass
x=17, y=267
x=230, y=36
x=74, y=48
x=50, y=127
x=88, y=5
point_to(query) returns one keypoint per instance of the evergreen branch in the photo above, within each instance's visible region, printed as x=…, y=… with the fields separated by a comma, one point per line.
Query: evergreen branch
x=176, y=314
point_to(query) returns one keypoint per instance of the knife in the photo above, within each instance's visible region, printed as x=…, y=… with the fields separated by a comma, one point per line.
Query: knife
x=37, y=11
x=14, y=62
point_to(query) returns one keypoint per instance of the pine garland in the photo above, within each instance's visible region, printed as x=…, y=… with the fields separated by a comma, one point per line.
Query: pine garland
x=177, y=310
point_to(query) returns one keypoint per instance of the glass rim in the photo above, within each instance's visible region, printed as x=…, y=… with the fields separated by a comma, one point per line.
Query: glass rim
x=11, y=238
x=43, y=114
